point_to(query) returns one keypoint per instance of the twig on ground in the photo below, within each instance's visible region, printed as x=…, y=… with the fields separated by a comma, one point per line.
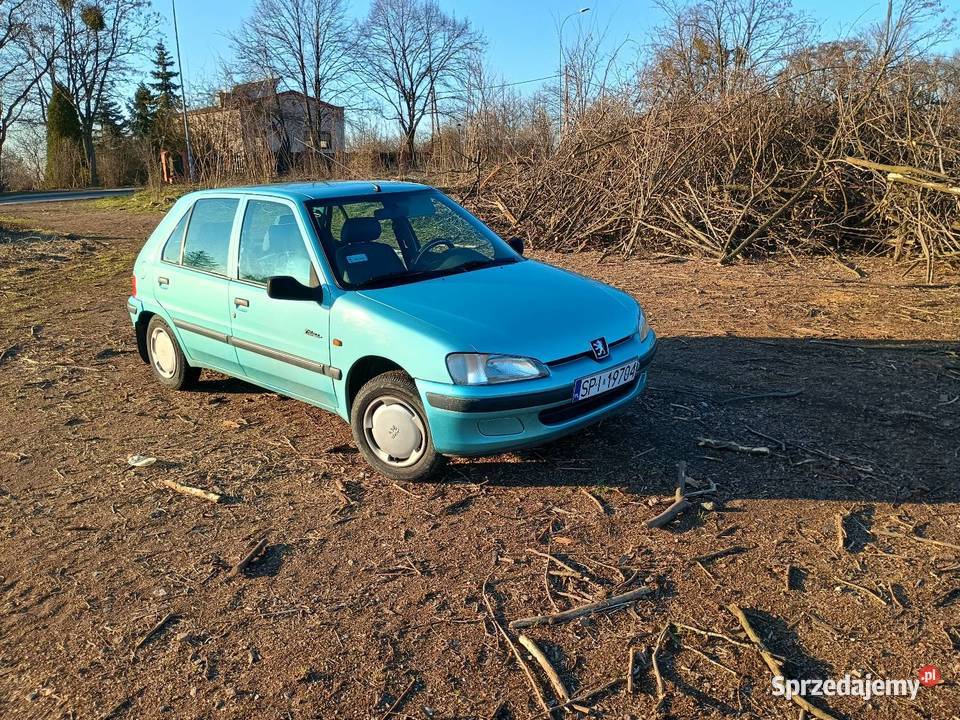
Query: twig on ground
x=735, y=550
x=151, y=632
x=775, y=667
x=732, y=446
x=676, y=508
x=558, y=687
x=610, y=603
x=400, y=699
x=595, y=500
x=872, y=594
x=841, y=532
x=191, y=491
x=911, y=536
x=248, y=558
x=531, y=678
x=655, y=666
x=763, y=396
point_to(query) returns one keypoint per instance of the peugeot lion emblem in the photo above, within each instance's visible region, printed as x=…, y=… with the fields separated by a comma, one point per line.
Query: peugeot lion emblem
x=600, y=349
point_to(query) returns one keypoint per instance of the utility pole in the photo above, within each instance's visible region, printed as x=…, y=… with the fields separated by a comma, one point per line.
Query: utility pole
x=563, y=73
x=192, y=169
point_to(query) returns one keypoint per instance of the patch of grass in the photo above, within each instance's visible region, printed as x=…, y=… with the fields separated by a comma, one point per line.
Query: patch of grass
x=147, y=200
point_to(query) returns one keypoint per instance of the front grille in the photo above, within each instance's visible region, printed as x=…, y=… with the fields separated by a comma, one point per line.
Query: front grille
x=586, y=353
x=573, y=410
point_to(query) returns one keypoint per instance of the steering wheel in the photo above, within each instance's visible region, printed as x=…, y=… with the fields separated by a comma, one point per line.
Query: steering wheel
x=430, y=246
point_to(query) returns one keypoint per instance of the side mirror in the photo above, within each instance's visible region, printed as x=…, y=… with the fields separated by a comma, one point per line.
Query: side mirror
x=517, y=244
x=284, y=287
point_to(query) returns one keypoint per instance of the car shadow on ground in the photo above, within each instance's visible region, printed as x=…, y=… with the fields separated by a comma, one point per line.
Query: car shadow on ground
x=850, y=420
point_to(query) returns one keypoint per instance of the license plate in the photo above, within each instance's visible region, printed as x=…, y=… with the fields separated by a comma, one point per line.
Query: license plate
x=592, y=385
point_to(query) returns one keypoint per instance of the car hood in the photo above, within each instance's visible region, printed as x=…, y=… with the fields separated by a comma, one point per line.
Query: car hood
x=525, y=308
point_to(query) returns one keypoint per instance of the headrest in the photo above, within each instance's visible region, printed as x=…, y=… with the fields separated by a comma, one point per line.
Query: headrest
x=357, y=230
x=283, y=238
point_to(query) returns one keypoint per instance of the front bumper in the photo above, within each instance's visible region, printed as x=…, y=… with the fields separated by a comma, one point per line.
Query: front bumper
x=485, y=420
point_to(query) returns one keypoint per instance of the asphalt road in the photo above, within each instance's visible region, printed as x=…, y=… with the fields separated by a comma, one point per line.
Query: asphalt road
x=62, y=195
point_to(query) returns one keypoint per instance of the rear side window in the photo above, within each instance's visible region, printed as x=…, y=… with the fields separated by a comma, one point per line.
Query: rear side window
x=271, y=244
x=208, y=235
x=171, y=251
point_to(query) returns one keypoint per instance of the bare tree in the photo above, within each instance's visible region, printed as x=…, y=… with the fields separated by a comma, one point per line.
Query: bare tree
x=415, y=58
x=303, y=43
x=20, y=72
x=98, y=43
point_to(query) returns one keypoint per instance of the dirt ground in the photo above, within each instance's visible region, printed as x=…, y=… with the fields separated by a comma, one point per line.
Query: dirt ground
x=371, y=598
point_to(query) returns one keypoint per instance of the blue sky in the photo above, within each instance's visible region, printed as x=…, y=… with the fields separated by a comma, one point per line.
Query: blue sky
x=521, y=34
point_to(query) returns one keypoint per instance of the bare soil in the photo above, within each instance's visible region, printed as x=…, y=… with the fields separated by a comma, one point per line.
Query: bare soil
x=369, y=598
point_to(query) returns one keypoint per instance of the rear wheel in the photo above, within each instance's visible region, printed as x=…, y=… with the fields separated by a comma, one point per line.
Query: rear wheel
x=390, y=428
x=167, y=361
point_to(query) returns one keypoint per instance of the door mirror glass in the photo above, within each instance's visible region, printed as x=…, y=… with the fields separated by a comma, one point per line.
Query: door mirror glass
x=284, y=287
x=517, y=244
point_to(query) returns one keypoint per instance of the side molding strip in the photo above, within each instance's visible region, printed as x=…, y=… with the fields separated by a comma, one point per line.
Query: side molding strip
x=253, y=347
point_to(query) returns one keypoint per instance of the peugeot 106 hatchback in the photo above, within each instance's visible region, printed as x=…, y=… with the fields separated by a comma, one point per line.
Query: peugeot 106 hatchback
x=391, y=306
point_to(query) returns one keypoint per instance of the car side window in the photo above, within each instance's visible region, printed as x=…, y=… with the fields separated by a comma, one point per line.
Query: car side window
x=208, y=234
x=171, y=251
x=271, y=244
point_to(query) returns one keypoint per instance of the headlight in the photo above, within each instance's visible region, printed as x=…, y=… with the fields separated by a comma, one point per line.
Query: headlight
x=642, y=326
x=484, y=369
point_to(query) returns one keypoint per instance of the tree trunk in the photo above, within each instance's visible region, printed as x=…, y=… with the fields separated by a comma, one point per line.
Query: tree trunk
x=91, y=152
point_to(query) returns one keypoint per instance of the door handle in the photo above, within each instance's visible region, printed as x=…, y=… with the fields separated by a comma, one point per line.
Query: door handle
x=241, y=302
x=163, y=281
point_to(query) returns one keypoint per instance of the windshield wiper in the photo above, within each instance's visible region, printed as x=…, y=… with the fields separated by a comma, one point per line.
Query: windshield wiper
x=477, y=264
x=406, y=276
x=403, y=276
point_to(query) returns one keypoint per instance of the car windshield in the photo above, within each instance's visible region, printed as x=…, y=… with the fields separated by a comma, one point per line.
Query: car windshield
x=379, y=240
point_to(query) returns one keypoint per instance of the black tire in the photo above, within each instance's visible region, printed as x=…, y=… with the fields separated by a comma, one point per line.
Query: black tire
x=396, y=391
x=167, y=361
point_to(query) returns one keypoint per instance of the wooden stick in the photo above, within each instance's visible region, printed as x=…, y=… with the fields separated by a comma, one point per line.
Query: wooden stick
x=594, y=500
x=151, y=632
x=735, y=550
x=396, y=703
x=773, y=663
x=872, y=594
x=531, y=678
x=575, y=573
x=584, y=696
x=910, y=536
x=191, y=491
x=630, y=669
x=246, y=559
x=568, y=615
x=841, y=533
x=732, y=446
x=676, y=507
x=558, y=687
x=661, y=686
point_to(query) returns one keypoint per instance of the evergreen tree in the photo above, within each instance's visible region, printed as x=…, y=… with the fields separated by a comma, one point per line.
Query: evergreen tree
x=110, y=120
x=141, y=112
x=163, y=87
x=64, y=139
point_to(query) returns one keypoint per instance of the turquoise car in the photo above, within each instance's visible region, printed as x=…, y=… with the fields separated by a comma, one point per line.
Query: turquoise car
x=390, y=305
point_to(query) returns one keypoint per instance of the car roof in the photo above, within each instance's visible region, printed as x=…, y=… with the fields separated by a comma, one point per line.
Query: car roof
x=319, y=190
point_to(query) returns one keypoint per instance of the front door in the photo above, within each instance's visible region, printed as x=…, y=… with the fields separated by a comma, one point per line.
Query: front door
x=192, y=282
x=283, y=344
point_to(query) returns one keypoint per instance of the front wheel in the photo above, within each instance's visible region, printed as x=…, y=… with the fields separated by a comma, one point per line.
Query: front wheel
x=390, y=428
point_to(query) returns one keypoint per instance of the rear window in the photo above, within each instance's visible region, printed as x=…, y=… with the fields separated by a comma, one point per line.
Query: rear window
x=208, y=234
x=171, y=251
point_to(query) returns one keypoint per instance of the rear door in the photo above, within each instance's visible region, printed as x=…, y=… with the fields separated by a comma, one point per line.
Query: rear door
x=283, y=344
x=193, y=282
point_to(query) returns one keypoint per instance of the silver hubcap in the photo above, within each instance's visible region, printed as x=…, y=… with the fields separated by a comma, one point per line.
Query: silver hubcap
x=163, y=353
x=394, y=431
